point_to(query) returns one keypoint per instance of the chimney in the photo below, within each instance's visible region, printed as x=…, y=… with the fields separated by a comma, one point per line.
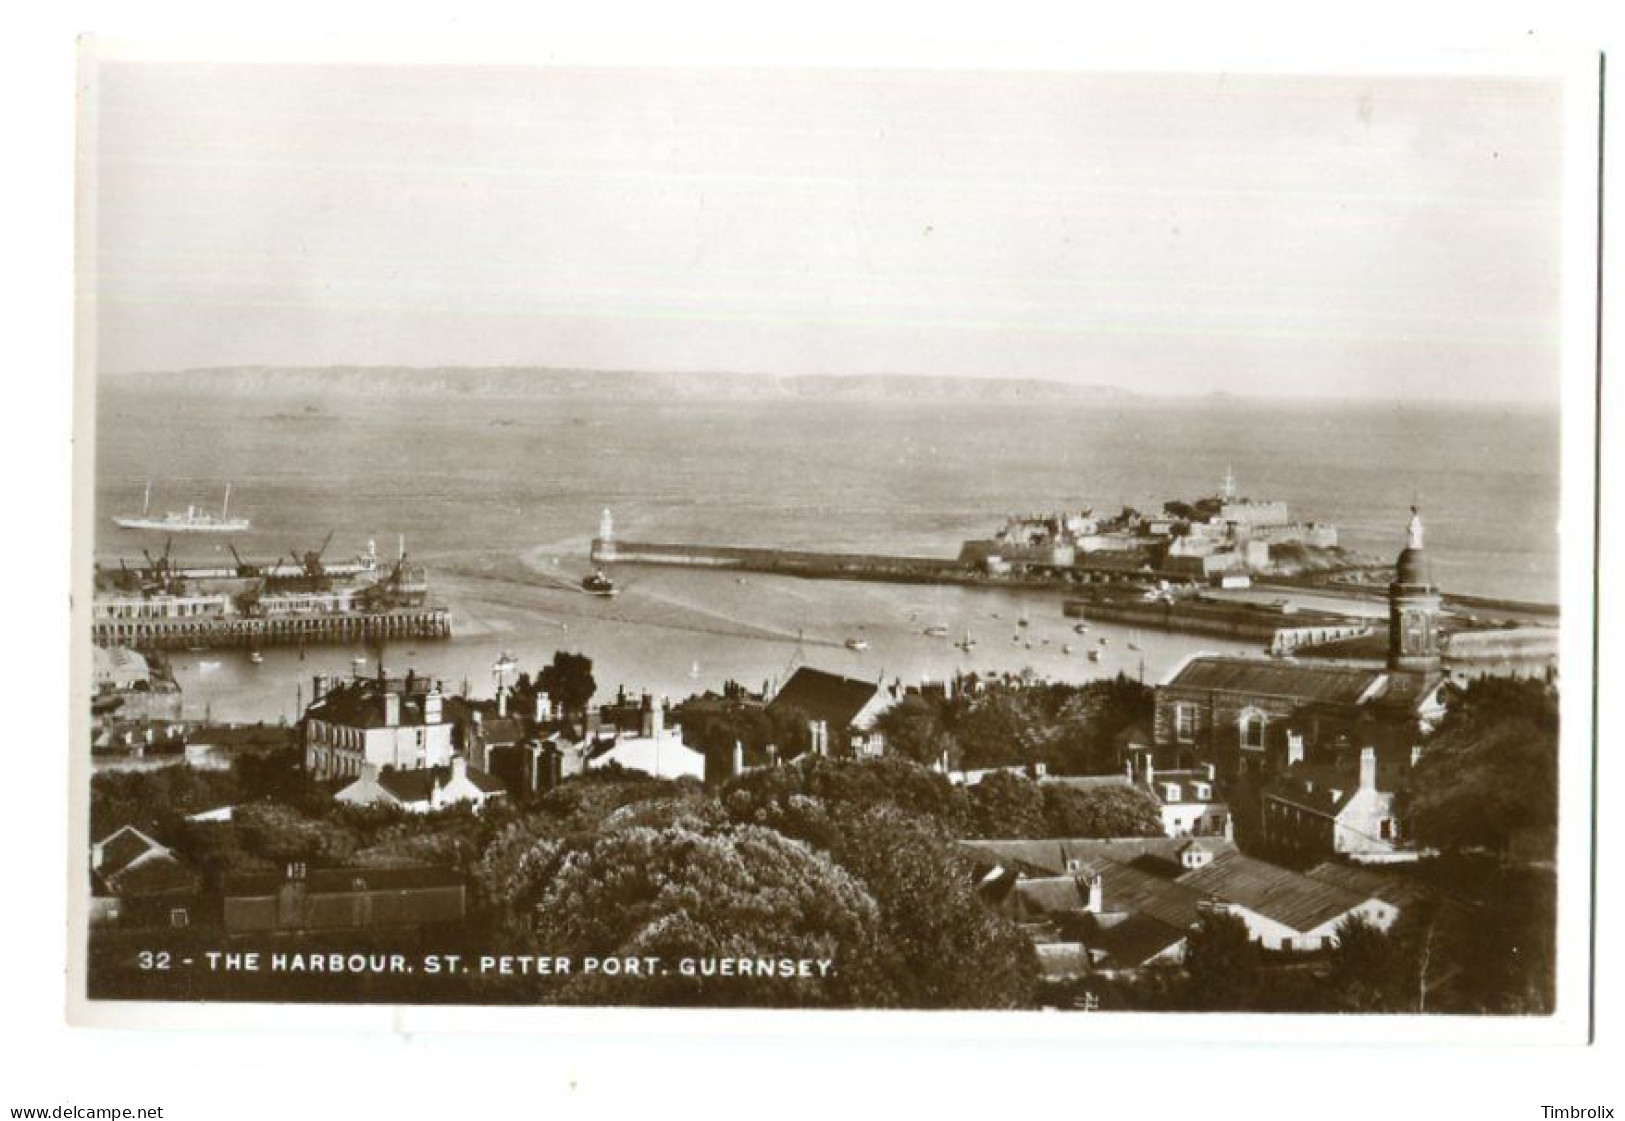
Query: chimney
x=502, y=700
x=1416, y=755
x=1294, y=747
x=1150, y=770
x=1210, y=771
x=369, y=773
x=544, y=707
x=432, y=711
x=477, y=718
x=1368, y=768
x=459, y=768
x=1097, y=895
x=318, y=687
x=646, y=721
x=739, y=758
x=392, y=708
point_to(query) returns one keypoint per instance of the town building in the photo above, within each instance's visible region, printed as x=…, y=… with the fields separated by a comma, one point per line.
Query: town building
x=1285, y=910
x=137, y=881
x=398, y=723
x=641, y=738
x=840, y=711
x=422, y=789
x=1333, y=810
x=337, y=899
x=1254, y=716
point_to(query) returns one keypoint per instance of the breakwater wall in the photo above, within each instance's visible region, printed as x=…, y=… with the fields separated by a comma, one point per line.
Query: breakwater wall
x=249, y=632
x=1278, y=631
x=876, y=567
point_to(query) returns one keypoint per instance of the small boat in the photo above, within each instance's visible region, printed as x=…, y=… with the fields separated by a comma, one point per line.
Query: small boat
x=857, y=644
x=358, y=662
x=1067, y=648
x=1134, y=646
x=967, y=644
x=1094, y=655
x=1103, y=640
x=1081, y=628
x=255, y=657
x=599, y=585
x=938, y=630
x=208, y=667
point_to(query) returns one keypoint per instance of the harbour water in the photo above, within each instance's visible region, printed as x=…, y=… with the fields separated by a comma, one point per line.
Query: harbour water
x=501, y=497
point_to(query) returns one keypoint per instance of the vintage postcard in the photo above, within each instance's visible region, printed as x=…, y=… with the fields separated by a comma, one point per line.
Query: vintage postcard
x=1085, y=538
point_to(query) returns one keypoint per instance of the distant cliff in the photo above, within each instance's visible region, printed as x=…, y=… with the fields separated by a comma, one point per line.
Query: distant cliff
x=543, y=382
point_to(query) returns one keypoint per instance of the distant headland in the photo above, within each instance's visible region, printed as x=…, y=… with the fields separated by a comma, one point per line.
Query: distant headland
x=521, y=381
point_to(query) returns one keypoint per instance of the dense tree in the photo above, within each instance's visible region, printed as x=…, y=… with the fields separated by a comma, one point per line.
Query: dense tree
x=1007, y=805
x=1488, y=777
x=1108, y=811
x=568, y=681
x=918, y=728
x=688, y=891
x=1222, y=965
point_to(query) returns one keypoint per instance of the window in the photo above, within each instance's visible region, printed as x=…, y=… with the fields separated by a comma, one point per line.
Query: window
x=1386, y=829
x=1252, y=731
x=1184, y=723
x=177, y=917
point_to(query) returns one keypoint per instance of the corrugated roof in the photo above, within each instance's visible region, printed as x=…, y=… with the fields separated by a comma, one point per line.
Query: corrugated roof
x=1400, y=892
x=359, y=703
x=1328, y=684
x=829, y=697
x=1288, y=897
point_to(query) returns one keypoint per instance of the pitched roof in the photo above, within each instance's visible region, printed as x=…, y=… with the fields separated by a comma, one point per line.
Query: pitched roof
x=1134, y=941
x=359, y=703
x=132, y=864
x=1127, y=889
x=325, y=881
x=1400, y=892
x=1290, y=898
x=416, y=784
x=1309, y=682
x=1053, y=857
x=828, y=697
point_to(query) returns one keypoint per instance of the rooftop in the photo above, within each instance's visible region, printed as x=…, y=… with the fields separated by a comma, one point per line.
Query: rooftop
x=1329, y=684
x=824, y=696
x=1290, y=898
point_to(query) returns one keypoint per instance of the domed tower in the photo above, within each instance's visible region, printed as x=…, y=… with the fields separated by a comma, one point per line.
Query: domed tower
x=1413, y=607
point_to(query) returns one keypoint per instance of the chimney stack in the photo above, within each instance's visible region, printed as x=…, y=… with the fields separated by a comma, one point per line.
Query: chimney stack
x=318, y=687
x=369, y=773
x=739, y=758
x=1294, y=747
x=392, y=708
x=1097, y=894
x=1368, y=768
x=646, y=723
x=502, y=700
x=544, y=707
x=432, y=711
x=459, y=767
x=1416, y=755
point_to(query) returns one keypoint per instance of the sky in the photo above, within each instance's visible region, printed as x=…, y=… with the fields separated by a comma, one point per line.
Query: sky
x=1384, y=237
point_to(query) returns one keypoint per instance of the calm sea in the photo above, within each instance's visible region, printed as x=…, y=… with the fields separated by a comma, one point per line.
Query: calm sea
x=500, y=498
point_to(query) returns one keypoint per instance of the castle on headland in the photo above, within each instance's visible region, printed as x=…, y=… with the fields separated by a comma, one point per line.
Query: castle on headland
x=1224, y=533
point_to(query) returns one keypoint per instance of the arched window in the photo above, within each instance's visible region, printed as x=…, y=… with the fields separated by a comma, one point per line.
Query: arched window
x=1252, y=730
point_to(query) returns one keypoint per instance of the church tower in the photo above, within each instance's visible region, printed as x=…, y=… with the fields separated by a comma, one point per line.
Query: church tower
x=1413, y=608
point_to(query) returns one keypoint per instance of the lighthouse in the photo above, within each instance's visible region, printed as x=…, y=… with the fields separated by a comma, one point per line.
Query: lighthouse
x=1413, y=607
x=603, y=546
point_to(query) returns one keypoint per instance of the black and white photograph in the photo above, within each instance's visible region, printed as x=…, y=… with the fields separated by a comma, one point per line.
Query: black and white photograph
x=1093, y=545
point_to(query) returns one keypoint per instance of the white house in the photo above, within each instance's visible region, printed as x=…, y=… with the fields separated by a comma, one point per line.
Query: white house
x=385, y=722
x=1283, y=909
x=422, y=789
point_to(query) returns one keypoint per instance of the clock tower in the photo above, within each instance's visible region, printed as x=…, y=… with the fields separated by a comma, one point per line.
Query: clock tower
x=1413, y=607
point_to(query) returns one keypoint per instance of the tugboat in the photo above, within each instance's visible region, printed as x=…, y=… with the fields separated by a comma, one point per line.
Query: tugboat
x=599, y=585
